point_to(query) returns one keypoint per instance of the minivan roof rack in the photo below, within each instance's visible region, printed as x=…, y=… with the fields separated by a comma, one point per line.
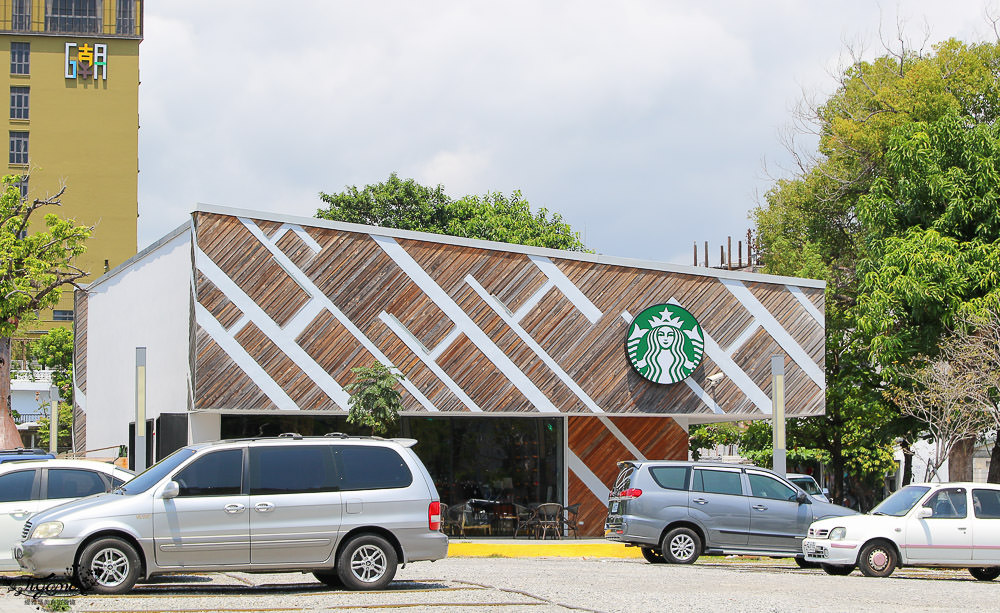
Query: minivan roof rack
x=294, y=435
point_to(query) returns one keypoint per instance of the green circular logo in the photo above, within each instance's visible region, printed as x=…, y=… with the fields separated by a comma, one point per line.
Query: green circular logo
x=665, y=343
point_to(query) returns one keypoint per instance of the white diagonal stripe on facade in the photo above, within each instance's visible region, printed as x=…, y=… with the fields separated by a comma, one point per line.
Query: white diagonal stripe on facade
x=316, y=294
x=807, y=304
x=533, y=300
x=446, y=342
x=592, y=481
x=744, y=336
x=567, y=287
x=300, y=232
x=244, y=360
x=618, y=434
x=505, y=315
x=421, y=352
x=730, y=368
x=462, y=320
x=775, y=329
x=262, y=320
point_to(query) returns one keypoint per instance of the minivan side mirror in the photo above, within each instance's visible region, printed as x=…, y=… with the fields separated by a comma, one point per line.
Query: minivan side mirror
x=802, y=498
x=170, y=490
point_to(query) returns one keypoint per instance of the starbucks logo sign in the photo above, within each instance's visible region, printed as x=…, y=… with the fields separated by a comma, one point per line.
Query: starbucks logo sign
x=665, y=343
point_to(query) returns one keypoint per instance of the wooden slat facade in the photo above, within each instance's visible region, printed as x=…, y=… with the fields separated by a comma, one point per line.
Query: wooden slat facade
x=476, y=327
x=80, y=368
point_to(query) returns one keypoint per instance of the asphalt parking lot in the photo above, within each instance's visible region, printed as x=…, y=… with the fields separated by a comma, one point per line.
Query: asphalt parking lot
x=542, y=584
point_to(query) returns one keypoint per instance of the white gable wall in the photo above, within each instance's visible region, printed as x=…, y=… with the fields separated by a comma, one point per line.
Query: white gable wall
x=144, y=303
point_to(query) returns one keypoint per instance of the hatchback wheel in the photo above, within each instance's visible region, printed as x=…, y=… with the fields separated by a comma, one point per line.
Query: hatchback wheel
x=877, y=559
x=803, y=563
x=985, y=574
x=653, y=556
x=107, y=566
x=834, y=569
x=367, y=562
x=681, y=546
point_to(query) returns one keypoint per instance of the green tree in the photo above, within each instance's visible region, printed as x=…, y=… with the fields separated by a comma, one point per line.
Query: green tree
x=374, y=402
x=407, y=205
x=35, y=264
x=54, y=351
x=891, y=210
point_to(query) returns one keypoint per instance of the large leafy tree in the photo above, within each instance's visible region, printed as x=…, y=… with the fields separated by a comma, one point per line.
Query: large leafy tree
x=36, y=262
x=895, y=210
x=407, y=205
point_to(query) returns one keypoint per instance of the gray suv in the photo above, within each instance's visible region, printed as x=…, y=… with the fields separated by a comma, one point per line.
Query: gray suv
x=347, y=509
x=676, y=511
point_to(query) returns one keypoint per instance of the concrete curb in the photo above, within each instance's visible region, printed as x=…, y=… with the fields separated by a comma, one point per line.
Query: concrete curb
x=512, y=548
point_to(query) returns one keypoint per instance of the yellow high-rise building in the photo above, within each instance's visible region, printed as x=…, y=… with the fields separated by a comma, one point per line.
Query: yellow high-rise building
x=74, y=119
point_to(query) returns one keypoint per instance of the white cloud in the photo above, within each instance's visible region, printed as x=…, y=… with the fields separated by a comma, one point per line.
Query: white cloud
x=603, y=112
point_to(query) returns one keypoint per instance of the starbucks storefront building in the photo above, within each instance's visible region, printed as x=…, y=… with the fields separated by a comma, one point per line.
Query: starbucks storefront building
x=529, y=372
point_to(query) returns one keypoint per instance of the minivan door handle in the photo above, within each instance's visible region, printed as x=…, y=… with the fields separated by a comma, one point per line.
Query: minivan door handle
x=700, y=501
x=263, y=507
x=233, y=509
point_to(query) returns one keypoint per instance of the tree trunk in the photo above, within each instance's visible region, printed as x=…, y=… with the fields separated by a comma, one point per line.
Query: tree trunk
x=960, y=460
x=907, y=462
x=10, y=438
x=993, y=476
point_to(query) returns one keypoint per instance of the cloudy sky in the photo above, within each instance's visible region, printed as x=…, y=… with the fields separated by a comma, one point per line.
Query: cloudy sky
x=647, y=124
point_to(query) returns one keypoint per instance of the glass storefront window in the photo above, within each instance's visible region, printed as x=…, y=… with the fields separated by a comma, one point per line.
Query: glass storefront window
x=501, y=459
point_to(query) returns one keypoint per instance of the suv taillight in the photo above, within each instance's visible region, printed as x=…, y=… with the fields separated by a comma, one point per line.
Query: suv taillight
x=630, y=493
x=434, y=516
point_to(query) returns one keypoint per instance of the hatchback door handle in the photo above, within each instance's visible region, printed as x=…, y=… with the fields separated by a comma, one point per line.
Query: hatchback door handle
x=20, y=512
x=233, y=509
x=760, y=507
x=263, y=507
x=700, y=501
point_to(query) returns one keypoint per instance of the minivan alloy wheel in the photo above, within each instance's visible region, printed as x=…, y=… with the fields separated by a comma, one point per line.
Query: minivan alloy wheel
x=367, y=562
x=108, y=566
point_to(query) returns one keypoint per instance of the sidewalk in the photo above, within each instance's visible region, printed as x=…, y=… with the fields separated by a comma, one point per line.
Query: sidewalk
x=14, y=603
x=460, y=547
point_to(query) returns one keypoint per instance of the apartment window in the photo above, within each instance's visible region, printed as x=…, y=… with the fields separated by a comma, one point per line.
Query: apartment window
x=125, y=17
x=18, y=148
x=22, y=186
x=21, y=16
x=18, y=102
x=20, y=53
x=62, y=315
x=76, y=16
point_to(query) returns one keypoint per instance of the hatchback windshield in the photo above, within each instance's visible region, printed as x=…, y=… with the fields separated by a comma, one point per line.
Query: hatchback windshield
x=900, y=503
x=154, y=473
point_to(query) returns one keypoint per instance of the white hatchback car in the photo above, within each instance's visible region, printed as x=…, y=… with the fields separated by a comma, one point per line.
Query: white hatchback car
x=30, y=486
x=926, y=524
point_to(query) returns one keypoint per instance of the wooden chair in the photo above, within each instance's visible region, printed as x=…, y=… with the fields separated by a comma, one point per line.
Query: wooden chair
x=550, y=518
x=526, y=520
x=571, y=519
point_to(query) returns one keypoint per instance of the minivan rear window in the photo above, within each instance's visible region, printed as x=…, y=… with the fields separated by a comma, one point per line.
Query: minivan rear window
x=372, y=468
x=671, y=477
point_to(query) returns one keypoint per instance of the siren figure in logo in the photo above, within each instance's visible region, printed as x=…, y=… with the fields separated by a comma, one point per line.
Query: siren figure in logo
x=665, y=344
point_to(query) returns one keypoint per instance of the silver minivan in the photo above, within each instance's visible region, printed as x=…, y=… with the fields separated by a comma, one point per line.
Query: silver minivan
x=347, y=509
x=678, y=510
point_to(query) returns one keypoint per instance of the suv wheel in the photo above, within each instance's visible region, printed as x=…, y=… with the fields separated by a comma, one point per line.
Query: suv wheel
x=107, y=566
x=877, y=559
x=681, y=546
x=653, y=556
x=367, y=562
